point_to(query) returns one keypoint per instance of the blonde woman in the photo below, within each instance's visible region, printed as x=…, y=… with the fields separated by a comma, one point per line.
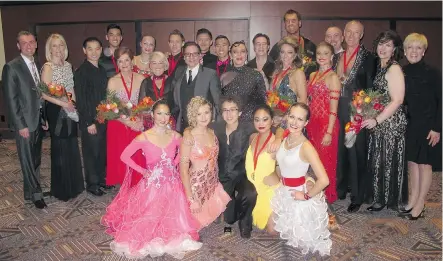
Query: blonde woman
x=198, y=164
x=66, y=168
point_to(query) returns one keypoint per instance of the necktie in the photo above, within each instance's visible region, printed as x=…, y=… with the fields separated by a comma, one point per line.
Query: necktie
x=190, y=77
x=34, y=73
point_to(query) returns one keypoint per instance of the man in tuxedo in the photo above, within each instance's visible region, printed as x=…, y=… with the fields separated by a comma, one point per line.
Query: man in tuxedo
x=334, y=36
x=114, y=35
x=90, y=81
x=20, y=80
x=204, y=40
x=292, y=21
x=193, y=80
x=356, y=68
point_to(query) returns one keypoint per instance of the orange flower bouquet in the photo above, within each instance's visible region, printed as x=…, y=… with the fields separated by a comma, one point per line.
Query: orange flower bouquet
x=279, y=103
x=113, y=108
x=59, y=92
x=364, y=105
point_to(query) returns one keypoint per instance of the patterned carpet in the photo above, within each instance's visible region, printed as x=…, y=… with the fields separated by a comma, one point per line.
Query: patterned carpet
x=71, y=230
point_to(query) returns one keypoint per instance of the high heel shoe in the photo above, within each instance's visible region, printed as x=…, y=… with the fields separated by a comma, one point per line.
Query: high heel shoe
x=421, y=215
x=405, y=211
x=374, y=209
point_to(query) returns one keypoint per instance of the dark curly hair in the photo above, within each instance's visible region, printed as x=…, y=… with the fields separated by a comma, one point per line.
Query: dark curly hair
x=386, y=36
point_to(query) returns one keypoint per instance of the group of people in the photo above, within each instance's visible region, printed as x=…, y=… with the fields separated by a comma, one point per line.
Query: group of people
x=211, y=145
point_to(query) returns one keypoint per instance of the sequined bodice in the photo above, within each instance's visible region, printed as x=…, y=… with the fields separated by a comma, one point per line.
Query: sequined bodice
x=123, y=96
x=319, y=99
x=63, y=75
x=381, y=84
x=284, y=89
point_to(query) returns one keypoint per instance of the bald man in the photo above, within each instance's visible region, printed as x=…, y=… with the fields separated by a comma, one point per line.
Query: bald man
x=334, y=36
x=356, y=68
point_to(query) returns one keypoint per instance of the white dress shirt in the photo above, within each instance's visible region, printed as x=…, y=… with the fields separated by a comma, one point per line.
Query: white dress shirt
x=194, y=72
x=30, y=64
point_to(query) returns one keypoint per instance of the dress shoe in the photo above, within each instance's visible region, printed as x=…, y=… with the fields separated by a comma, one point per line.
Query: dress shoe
x=373, y=208
x=245, y=228
x=96, y=192
x=107, y=187
x=40, y=204
x=404, y=210
x=353, y=207
x=421, y=215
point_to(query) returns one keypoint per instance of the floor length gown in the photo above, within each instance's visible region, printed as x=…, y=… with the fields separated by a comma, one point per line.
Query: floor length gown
x=152, y=218
x=66, y=168
x=319, y=99
x=387, y=154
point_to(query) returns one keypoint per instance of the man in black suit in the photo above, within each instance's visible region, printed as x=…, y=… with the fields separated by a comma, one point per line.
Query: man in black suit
x=193, y=80
x=20, y=80
x=204, y=40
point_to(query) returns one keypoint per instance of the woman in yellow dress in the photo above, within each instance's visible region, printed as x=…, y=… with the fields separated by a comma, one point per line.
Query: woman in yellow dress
x=260, y=165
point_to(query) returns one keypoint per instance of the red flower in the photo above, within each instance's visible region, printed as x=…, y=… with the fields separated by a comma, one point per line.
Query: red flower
x=378, y=106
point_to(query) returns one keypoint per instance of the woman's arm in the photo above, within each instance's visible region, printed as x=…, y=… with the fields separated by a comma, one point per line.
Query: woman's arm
x=297, y=83
x=396, y=86
x=310, y=155
x=334, y=85
x=130, y=150
x=185, y=153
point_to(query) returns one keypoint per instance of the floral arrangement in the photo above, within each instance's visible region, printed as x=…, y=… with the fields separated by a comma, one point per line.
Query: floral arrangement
x=278, y=103
x=306, y=62
x=364, y=105
x=59, y=92
x=112, y=108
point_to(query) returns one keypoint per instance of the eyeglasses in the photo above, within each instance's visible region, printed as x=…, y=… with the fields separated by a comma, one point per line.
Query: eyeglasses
x=232, y=110
x=193, y=55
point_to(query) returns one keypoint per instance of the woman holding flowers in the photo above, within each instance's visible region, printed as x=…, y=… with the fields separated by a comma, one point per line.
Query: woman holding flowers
x=66, y=168
x=125, y=85
x=387, y=138
x=323, y=92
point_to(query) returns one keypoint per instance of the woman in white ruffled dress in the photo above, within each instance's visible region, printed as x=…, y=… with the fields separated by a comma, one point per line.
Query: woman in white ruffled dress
x=299, y=212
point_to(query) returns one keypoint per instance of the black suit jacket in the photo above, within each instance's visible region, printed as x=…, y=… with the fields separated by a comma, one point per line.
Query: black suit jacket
x=21, y=97
x=207, y=86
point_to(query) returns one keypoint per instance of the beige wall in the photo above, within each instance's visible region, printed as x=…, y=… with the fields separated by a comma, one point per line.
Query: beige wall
x=2, y=46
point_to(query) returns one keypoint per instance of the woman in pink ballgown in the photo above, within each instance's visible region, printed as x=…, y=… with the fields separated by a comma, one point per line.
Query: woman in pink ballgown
x=323, y=93
x=198, y=164
x=153, y=217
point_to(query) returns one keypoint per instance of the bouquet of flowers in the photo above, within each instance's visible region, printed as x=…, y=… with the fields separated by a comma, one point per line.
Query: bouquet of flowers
x=307, y=62
x=279, y=103
x=113, y=108
x=59, y=92
x=363, y=106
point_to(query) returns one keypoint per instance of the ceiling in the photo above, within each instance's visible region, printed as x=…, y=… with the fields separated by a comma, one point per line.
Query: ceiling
x=18, y=3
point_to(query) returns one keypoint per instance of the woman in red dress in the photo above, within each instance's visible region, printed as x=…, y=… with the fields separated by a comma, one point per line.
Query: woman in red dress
x=126, y=85
x=141, y=62
x=323, y=93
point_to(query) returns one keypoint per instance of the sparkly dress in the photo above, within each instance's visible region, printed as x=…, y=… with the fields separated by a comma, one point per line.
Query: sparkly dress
x=386, y=154
x=248, y=85
x=303, y=223
x=66, y=168
x=319, y=100
x=153, y=217
x=283, y=89
x=118, y=137
x=205, y=186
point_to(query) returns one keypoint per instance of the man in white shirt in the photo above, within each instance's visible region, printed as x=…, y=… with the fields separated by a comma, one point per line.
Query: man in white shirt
x=194, y=80
x=20, y=80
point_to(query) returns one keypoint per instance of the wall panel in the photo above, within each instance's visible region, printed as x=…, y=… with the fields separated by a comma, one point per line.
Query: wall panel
x=160, y=31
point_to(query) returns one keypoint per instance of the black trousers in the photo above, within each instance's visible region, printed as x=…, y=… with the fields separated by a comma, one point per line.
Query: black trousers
x=30, y=154
x=94, y=157
x=352, y=165
x=244, y=197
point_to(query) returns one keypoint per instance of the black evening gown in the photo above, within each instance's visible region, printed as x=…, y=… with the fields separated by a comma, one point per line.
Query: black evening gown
x=387, y=152
x=66, y=170
x=423, y=100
